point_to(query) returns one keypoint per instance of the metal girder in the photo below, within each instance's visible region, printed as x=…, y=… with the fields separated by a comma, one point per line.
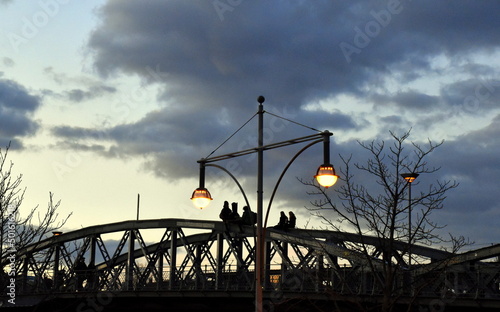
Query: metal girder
x=377, y=242
x=469, y=256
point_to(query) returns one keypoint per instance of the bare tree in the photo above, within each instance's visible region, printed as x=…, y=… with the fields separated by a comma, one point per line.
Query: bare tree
x=383, y=210
x=17, y=230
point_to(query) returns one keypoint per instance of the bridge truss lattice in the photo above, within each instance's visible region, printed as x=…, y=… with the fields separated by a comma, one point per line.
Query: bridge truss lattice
x=178, y=255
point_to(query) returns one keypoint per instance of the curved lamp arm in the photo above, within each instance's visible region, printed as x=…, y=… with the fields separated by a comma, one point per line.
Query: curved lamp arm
x=233, y=177
x=281, y=177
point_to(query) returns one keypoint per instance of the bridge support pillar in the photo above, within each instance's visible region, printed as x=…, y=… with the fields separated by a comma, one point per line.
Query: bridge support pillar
x=56, y=267
x=25, y=273
x=130, y=261
x=220, y=264
x=198, y=268
x=267, y=265
x=93, y=244
x=173, y=260
x=93, y=280
x=319, y=272
x=159, y=278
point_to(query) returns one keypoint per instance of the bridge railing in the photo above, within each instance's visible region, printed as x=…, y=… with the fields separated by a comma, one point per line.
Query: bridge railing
x=476, y=283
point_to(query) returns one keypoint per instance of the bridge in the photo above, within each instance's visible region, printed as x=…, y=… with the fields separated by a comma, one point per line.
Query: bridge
x=209, y=265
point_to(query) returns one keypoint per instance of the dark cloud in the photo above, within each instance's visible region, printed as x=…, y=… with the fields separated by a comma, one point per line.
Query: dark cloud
x=16, y=109
x=472, y=96
x=408, y=100
x=292, y=54
x=88, y=88
x=78, y=95
x=472, y=160
x=211, y=65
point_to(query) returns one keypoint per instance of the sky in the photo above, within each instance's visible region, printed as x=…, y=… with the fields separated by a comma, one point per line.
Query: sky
x=104, y=100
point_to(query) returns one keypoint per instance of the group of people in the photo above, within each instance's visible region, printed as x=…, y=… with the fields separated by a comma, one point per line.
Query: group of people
x=231, y=215
x=285, y=222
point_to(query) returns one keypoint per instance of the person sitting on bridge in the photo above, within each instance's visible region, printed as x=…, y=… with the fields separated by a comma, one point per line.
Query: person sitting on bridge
x=292, y=220
x=225, y=212
x=282, y=225
x=234, y=216
x=249, y=217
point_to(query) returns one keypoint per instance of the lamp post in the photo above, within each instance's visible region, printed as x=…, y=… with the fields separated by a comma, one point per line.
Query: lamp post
x=325, y=176
x=409, y=177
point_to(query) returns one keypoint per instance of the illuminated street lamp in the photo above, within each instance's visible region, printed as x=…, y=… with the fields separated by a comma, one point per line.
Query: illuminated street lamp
x=201, y=196
x=409, y=177
x=325, y=176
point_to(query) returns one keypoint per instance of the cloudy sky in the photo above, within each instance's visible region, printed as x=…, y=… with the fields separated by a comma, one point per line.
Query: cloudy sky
x=103, y=100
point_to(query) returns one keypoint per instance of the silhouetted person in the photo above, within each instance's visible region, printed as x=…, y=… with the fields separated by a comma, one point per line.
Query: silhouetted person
x=225, y=212
x=234, y=217
x=81, y=273
x=249, y=217
x=92, y=278
x=292, y=220
x=59, y=282
x=48, y=282
x=283, y=222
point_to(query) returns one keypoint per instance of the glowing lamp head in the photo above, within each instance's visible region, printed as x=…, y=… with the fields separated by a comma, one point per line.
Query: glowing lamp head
x=409, y=177
x=326, y=176
x=201, y=198
x=56, y=233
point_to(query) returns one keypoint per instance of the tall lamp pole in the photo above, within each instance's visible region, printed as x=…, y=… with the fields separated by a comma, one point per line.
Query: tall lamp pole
x=325, y=176
x=409, y=177
x=259, y=261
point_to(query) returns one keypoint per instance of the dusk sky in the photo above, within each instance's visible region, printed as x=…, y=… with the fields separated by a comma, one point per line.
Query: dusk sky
x=102, y=100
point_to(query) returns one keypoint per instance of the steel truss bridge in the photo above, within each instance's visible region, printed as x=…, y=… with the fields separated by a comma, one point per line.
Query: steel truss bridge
x=193, y=260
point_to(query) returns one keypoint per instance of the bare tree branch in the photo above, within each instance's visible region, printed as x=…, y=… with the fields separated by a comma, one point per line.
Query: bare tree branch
x=382, y=211
x=17, y=230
